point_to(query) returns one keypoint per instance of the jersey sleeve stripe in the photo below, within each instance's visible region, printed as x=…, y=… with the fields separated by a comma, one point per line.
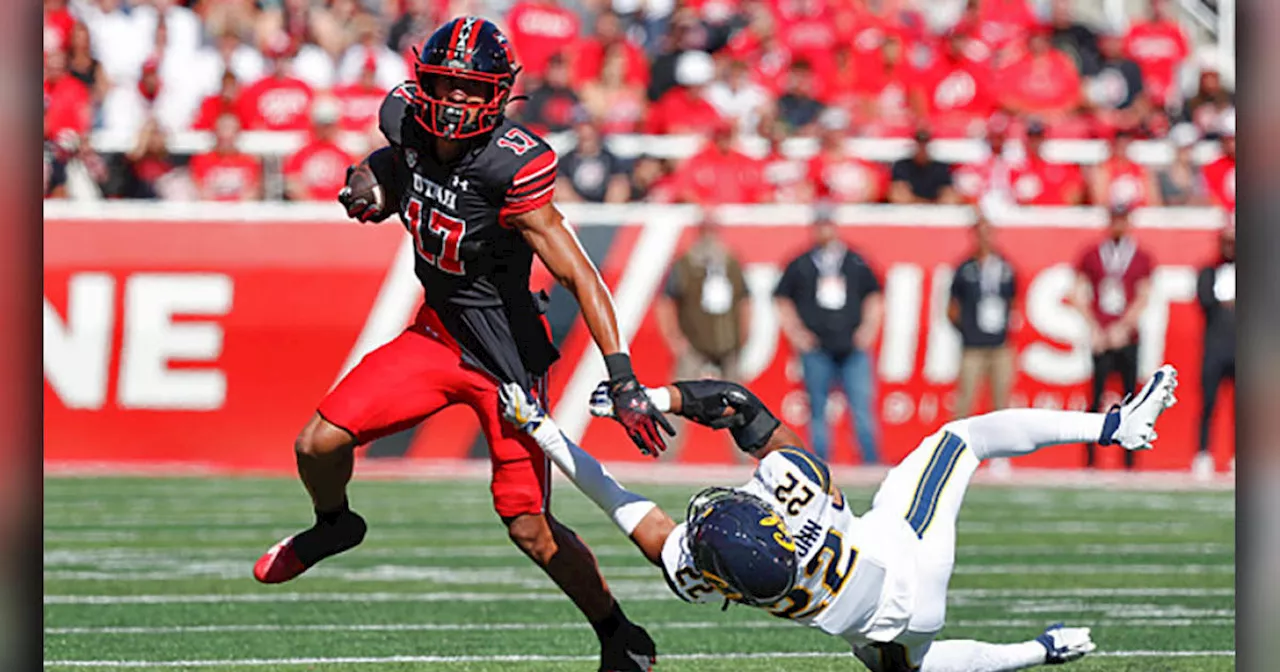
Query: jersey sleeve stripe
x=531, y=188
x=534, y=196
x=933, y=481
x=810, y=465
x=539, y=166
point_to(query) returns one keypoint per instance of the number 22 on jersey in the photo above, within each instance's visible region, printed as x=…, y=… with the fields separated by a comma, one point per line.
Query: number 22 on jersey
x=435, y=223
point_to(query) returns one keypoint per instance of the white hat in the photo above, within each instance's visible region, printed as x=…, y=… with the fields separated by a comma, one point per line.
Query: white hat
x=1184, y=135
x=325, y=111
x=694, y=68
x=834, y=119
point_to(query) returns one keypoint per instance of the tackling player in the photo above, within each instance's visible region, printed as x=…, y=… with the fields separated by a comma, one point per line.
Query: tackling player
x=789, y=543
x=474, y=190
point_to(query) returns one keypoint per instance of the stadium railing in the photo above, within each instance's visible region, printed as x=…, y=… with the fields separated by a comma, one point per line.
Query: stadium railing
x=1085, y=152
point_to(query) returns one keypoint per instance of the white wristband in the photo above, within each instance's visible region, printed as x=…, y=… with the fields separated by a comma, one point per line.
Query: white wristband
x=660, y=397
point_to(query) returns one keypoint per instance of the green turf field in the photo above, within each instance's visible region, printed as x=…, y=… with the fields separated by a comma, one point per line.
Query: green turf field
x=153, y=574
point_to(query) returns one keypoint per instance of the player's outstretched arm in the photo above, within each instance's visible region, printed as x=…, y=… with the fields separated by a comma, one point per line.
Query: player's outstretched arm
x=551, y=239
x=717, y=404
x=644, y=522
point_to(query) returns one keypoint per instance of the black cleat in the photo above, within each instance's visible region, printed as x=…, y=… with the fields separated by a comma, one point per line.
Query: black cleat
x=631, y=650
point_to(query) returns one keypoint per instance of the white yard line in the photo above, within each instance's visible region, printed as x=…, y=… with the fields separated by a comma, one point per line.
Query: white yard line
x=274, y=597
x=140, y=558
x=503, y=627
x=767, y=655
x=530, y=577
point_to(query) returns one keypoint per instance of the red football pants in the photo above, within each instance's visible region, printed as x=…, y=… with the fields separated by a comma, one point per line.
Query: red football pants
x=418, y=373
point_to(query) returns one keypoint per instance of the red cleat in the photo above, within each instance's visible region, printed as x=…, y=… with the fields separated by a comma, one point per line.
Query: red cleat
x=279, y=564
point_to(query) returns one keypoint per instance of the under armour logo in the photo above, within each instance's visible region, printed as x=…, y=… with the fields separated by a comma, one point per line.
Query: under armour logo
x=458, y=183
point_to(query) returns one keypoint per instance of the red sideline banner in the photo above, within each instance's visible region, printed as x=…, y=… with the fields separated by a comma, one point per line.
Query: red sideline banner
x=206, y=335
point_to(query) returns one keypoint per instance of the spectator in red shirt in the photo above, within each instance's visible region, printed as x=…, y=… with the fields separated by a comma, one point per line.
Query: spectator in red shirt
x=226, y=173
x=318, y=171
x=618, y=105
x=67, y=99
x=836, y=175
x=1220, y=176
x=360, y=100
x=538, y=30
x=992, y=178
x=882, y=105
x=786, y=176
x=1120, y=180
x=1004, y=23
x=58, y=24
x=589, y=54
x=956, y=96
x=1043, y=83
x=1038, y=182
x=810, y=34
x=1111, y=293
x=1159, y=46
x=719, y=173
x=685, y=109
x=225, y=101
x=279, y=101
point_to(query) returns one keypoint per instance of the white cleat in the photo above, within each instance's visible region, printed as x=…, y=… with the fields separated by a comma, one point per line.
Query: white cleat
x=1132, y=424
x=1064, y=645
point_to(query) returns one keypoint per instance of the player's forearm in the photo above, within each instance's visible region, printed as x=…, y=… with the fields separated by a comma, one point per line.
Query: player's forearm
x=598, y=312
x=627, y=509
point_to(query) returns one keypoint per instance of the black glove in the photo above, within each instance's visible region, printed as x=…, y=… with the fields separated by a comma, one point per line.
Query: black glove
x=706, y=401
x=632, y=408
x=714, y=403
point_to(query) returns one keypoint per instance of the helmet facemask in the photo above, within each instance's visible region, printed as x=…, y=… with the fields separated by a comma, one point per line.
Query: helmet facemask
x=459, y=120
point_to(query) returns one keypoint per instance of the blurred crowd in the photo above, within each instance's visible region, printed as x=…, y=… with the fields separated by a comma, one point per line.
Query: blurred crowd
x=725, y=69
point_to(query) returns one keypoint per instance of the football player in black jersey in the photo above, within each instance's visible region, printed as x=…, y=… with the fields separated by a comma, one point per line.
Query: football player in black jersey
x=474, y=190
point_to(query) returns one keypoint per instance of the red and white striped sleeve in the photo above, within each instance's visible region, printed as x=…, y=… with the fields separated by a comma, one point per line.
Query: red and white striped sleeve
x=532, y=187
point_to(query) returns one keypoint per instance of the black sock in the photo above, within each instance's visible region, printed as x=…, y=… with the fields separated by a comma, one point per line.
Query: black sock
x=609, y=626
x=334, y=532
x=331, y=517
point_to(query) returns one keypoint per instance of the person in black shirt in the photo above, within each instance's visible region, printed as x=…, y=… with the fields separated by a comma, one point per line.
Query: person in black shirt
x=1116, y=94
x=1075, y=39
x=591, y=172
x=797, y=108
x=982, y=295
x=1216, y=293
x=920, y=179
x=551, y=106
x=831, y=307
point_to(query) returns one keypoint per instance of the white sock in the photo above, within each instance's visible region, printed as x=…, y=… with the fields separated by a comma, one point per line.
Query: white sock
x=624, y=507
x=1022, y=431
x=967, y=655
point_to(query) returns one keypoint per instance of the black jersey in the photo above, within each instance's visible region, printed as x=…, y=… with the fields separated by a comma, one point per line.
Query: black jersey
x=474, y=268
